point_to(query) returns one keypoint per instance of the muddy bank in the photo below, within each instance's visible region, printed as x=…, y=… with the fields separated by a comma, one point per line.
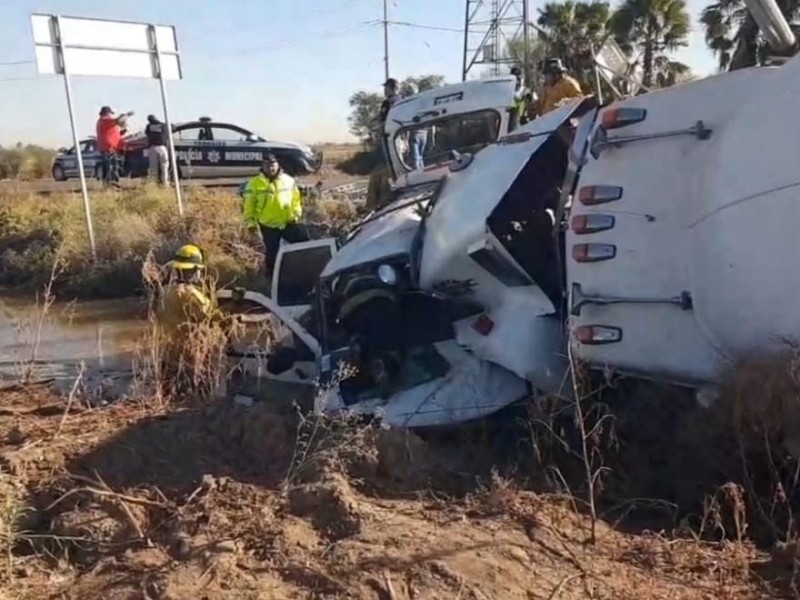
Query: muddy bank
x=223, y=501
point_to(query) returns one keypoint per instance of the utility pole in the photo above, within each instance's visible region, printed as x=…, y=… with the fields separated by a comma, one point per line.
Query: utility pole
x=386, y=39
x=526, y=56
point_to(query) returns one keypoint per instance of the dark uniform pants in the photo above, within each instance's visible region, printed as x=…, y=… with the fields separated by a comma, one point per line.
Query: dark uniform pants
x=292, y=233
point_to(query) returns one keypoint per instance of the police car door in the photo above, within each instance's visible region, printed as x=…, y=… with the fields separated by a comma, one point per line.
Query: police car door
x=297, y=270
x=91, y=157
x=237, y=155
x=191, y=151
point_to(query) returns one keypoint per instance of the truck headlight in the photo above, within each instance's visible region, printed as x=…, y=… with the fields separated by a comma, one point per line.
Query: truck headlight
x=387, y=274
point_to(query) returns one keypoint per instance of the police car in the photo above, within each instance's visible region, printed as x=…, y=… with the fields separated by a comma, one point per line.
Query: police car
x=65, y=165
x=212, y=149
x=204, y=149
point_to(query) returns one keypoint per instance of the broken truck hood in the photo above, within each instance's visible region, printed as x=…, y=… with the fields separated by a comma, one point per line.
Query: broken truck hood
x=459, y=216
x=389, y=232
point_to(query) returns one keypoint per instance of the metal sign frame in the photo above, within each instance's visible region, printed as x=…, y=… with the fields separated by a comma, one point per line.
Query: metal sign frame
x=61, y=65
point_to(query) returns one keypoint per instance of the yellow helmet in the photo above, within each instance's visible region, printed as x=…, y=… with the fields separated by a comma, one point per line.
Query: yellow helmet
x=188, y=257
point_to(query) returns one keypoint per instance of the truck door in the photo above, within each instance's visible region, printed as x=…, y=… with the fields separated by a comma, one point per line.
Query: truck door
x=297, y=270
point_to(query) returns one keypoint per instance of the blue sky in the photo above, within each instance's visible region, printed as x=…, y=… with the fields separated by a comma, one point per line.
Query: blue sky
x=283, y=68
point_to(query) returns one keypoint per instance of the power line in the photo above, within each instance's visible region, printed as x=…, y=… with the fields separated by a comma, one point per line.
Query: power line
x=421, y=26
x=322, y=11
x=15, y=62
x=294, y=41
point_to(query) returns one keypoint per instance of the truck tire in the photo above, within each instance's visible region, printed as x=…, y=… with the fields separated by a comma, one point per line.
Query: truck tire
x=58, y=173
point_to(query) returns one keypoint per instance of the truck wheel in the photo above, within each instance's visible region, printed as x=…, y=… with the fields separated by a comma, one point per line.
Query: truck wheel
x=58, y=173
x=98, y=172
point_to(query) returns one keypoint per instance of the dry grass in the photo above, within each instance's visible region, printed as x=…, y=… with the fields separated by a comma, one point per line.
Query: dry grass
x=25, y=162
x=130, y=224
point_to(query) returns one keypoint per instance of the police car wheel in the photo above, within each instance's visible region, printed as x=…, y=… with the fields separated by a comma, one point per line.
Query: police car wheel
x=58, y=173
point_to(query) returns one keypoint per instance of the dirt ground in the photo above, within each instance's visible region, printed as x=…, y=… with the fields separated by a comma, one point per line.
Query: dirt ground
x=227, y=501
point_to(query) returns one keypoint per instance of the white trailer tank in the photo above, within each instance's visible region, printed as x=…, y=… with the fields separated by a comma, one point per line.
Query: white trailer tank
x=684, y=225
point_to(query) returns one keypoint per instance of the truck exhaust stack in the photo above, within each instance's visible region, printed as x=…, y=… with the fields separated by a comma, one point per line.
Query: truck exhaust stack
x=773, y=25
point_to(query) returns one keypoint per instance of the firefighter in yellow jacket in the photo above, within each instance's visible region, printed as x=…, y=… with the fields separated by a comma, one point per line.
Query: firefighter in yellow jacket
x=273, y=205
x=558, y=87
x=186, y=305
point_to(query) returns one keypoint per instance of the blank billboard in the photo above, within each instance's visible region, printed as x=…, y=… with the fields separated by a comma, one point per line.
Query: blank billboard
x=105, y=48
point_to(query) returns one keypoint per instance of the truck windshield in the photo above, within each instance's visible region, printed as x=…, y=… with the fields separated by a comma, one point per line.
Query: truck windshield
x=431, y=144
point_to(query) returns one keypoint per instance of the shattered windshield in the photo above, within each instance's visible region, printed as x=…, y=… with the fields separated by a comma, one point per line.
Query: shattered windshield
x=430, y=145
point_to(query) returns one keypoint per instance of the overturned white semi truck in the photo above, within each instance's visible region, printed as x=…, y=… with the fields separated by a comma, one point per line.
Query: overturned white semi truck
x=649, y=236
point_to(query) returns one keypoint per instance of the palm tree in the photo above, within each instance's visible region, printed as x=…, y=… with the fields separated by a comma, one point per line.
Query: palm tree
x=653, y=27
x=573, y=31
x=733, y=36
x=669, y=72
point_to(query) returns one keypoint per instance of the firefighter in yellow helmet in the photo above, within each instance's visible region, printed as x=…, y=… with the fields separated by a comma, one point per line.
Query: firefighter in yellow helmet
x=186, y=304
x=558, y=88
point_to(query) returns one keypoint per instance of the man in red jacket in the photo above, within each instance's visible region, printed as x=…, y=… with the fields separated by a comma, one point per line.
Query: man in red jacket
x=109, y=131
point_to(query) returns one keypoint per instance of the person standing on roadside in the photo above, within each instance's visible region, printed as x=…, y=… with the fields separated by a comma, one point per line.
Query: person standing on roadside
x=379, y=187
x=157, y=149
x=273, y=205
x=391, y=94
x=109, y=142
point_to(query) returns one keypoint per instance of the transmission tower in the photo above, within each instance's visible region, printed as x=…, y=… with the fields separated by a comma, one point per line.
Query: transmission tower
x=489, y=28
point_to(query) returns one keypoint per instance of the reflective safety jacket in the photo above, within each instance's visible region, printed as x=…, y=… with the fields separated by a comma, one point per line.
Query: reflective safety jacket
x=522, y=100
x=272, y=202
x=184, y=304
x=181, y=308
x=553, y=95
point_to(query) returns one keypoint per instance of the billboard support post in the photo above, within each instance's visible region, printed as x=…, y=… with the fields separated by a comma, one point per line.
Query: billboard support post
x=69, y=46
x=55, y=24
x=173, y=159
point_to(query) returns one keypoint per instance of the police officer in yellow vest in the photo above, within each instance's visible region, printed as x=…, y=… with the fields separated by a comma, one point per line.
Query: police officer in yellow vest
x=273, y=204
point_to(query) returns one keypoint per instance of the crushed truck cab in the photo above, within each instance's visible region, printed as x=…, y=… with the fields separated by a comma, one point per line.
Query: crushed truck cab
x=646, y=238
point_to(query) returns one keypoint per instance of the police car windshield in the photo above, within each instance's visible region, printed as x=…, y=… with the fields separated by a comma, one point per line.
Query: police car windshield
x=431, y=144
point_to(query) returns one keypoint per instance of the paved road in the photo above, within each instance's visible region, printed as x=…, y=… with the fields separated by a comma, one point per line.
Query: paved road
x=47, y=187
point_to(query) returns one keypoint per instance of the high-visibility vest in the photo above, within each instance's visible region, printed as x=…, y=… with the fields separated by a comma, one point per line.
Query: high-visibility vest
x=272, y=202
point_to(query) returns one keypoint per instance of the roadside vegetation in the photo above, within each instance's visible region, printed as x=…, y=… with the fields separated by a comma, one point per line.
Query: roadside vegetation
x=36, y=231
x=26, y=162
